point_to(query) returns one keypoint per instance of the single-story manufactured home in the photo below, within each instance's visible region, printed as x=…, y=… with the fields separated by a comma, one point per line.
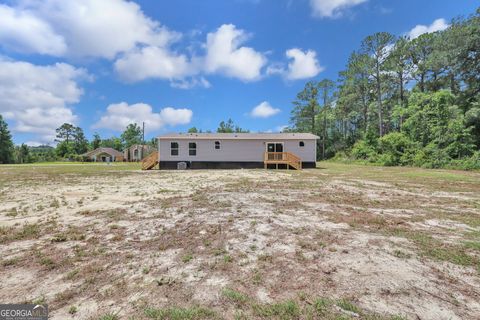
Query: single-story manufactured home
x=137, y=152
x=237, y=150
x=104, y=155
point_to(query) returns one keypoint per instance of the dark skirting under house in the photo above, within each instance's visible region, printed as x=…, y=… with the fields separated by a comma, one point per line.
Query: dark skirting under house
x=172, y=165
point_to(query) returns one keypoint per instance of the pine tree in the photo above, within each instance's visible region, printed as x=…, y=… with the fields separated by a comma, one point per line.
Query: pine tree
x=326, y=87
x=377, y=46
x=96, y=141
x=306, y=109
x=6, y=144
x=80, y=143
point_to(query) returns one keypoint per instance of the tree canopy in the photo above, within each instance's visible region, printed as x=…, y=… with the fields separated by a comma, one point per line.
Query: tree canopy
x=229, y=127
x=132, y=135
x=401, y=101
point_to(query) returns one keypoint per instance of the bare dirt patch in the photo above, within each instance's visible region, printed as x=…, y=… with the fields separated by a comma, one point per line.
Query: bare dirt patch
x=336, y=242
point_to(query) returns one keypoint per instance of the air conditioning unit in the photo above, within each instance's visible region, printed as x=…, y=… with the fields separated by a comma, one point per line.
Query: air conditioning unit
x=181, y=166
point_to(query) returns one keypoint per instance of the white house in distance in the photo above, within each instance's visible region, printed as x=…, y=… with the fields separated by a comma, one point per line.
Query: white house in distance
x=137, y=152
x=237, y=150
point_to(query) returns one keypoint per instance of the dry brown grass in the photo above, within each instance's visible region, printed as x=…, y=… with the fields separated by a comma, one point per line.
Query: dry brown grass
x=339, y=241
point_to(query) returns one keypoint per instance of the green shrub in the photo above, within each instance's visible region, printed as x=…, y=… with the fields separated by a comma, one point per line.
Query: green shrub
x=387, y=159
x=470, y=163
x=396, y=149
x=341, y=156
x=433, y=157
x=363, y=151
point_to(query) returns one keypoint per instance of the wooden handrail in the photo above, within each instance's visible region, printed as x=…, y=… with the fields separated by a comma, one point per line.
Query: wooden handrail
x=283, y=157
x=150, y=161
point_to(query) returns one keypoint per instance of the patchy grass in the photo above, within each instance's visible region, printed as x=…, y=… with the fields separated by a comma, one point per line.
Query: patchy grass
x=337, y=242
x=347, y=305
x=187, y=258
x=431, y=247
x=475, y=245
x=109, y=316
x=72, y=310
x=283, y=310
x=27, y=231
x=303, y=307
x=235, y=296
x=175, y=313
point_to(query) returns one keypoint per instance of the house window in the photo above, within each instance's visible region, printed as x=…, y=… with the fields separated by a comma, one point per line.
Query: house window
x=174, y=148
x=192, y=148
x=217, y=145
x=301, y=144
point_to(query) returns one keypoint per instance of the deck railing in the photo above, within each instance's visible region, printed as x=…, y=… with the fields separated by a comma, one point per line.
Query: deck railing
x=287, y=158
x=150, y=161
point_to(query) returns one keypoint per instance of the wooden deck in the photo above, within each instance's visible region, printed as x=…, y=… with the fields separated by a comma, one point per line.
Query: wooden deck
x=271, y=158
x=282, y=158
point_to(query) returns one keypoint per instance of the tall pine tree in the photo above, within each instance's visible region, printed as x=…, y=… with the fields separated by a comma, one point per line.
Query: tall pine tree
x=6, y=144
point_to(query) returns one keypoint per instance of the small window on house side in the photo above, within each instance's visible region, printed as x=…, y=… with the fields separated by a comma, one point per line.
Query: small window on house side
x=301, y=144
x=174, y=148
x=217, y=145
x=192, y=148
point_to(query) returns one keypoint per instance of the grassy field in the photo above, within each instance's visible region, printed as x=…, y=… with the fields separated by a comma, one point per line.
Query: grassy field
x=98, y=241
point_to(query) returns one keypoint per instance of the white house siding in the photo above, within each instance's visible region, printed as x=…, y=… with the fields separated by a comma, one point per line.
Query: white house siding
x=234, y=150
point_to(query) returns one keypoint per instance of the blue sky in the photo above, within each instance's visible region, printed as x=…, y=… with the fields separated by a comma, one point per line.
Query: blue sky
x=178, y=64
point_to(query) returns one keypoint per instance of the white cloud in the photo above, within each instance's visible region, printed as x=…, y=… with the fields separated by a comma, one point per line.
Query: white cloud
x=190, y=83
x=437, y=25
x=24, y=32
x=225, y=56
x=264, y=110
x=332, y=8
x=152, y=62
x=120, y=115
x=173, y=117
x=37, y=98
x=82, y=28
x=118, y=30
x=303, y=65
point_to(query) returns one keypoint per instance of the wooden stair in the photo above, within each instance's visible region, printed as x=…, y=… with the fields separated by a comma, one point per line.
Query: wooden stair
x=150, y=161
x=287, y=158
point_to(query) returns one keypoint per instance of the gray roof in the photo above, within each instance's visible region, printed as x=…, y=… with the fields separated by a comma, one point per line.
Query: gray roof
x=239, y=136
x=109, y=151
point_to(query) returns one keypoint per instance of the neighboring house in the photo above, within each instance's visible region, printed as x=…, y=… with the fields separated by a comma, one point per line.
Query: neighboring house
x=237, y=150
x=104, y=155
x=137, y=152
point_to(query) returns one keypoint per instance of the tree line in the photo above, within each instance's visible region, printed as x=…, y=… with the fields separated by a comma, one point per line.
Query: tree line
x=72, y=143
x=401, y=101
x=224, y=127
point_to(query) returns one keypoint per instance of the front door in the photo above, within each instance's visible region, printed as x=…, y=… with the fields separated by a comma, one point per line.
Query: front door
x=275, y=147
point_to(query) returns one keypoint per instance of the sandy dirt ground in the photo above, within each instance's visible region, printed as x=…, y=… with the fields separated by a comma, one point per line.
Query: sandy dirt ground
x=336, y=242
